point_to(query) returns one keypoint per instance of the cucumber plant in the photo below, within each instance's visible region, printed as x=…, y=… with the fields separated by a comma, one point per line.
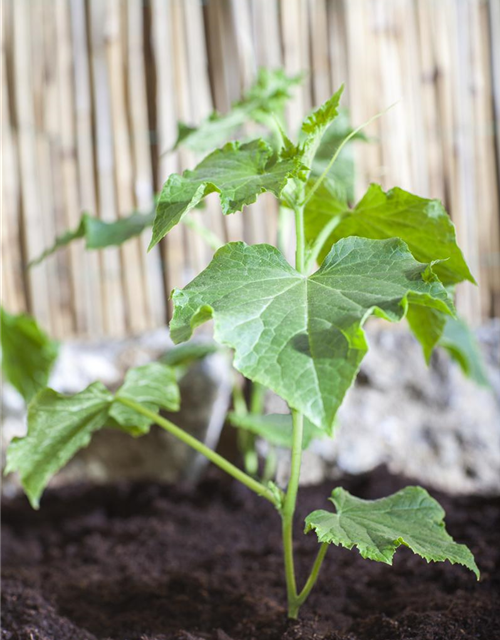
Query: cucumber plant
x=295, y=329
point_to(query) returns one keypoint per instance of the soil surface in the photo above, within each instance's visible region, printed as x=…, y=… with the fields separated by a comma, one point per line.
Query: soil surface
x=151, y=562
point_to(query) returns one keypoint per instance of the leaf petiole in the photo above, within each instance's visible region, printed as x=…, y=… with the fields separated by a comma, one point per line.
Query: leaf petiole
x=354, y=132
x=195, y=444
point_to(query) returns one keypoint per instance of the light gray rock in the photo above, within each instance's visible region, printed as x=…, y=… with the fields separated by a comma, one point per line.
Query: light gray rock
x=111, y=455
x=430, y=423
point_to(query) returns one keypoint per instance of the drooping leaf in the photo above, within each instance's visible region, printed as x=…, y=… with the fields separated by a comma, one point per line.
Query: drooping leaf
x=58, y=426
x=183, y=355
x=410, y=517
x=427, y=325
x=423, y=224
x=152, y=385
x=460, y=342
x=238, y=172
x=316, y=124
x=276, y=428
x=267, y=96
x=27, y=353
x=99, y=234
x=302, y=336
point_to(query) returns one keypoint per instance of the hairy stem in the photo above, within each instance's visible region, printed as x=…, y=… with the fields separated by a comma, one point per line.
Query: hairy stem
x=288, y=512
x=195, y=444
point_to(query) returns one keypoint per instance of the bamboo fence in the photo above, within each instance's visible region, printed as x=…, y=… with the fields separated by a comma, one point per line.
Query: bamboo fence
x=92, y=91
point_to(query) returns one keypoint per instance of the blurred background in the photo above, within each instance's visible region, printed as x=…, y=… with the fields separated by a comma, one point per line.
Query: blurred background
x=92, y=91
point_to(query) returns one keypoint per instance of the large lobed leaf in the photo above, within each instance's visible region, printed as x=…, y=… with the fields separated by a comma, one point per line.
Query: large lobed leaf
x=238, y=172
x=410, y=517
x=302, y=336
x=27, y=353
x=58, y=425
x=423, y=224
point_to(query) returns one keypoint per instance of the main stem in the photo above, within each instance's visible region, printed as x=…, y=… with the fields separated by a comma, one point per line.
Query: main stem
x=295, y=599
x=288, y=512
x=195, y=444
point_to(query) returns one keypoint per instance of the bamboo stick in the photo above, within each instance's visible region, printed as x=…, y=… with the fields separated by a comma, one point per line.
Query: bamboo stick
x=114, y=308
x=85, y=189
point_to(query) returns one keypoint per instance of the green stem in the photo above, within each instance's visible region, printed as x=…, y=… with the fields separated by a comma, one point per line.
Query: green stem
x=195, y=444
x=299, y=231
x=311, y=581
x=287, y=514
x=321, y=238
x=319, y=181
x=213, y=241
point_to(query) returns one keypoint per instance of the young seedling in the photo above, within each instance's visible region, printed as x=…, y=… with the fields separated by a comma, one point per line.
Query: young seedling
x=296, y=330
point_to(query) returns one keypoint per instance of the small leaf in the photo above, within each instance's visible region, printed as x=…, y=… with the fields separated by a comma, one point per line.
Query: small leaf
x=183, y=355
x=302, y=336
x=238, y=172
x=276, y=428
x=410, y=517
x=27, y=353
x=460, y=342
x=99, y=234
x=423, y=224
x=152, y=385
x=315, y=125
x=267, y=96
x=58, y=426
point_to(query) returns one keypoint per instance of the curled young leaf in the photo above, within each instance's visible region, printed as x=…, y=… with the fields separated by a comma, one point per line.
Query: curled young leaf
x=410, y=517
x=302, y=336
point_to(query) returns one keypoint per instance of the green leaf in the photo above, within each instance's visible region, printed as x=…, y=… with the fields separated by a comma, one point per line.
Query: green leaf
x=183, y=355
x=267, y=96
x=276, y=428
x=153, y=385
x=315, y=125
x=423, y=224
x=460, y=342
x=238, y=172
x=377, y=528
x=58, y=426
x=99, y=234
x=427, y=325
x=302, y=336
x=27, y=353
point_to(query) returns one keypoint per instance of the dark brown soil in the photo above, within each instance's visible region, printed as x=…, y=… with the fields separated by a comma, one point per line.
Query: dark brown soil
x=149, y=562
